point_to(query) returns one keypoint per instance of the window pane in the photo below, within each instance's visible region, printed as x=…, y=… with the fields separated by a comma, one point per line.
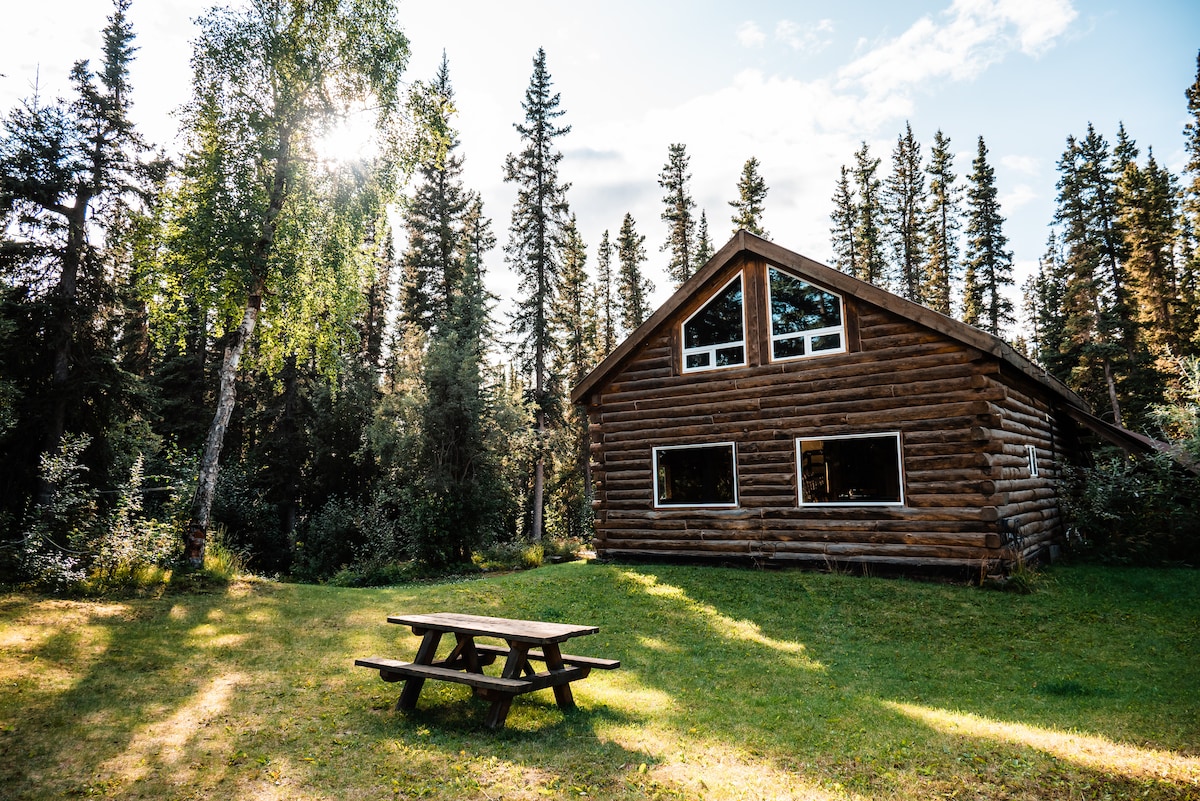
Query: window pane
x=697, y=360
x=728, y=356
x=799, y=306
x=696, y=476
x=785, y=348
x=850, y=470
x=827, y=342
x=718, y=322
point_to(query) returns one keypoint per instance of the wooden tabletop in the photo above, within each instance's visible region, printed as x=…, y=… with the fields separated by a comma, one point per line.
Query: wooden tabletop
x=529, y=631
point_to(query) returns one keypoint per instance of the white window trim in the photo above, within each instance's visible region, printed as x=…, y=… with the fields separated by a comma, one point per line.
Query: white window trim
x=808, y=334
x=711, y=350
x=822, y=504
x=1031, y=455
x=654, y=474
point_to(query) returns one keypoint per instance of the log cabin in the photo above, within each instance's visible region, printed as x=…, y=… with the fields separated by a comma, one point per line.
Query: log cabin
x=776, y=410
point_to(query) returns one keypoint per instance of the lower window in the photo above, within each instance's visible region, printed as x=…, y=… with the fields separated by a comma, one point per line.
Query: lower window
x=854, y=470
x=695, y=475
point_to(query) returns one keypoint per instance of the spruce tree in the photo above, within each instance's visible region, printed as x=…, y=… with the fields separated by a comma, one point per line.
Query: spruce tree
x=1148, y=200
x=575, y=320
x=868, y=232
x=904, y=202
x=634, y=289
x=704, y=245
x=71, y=173
x=608, y=319
x=677, y=214
x=1189, y=322
x=433, y=218
x=943, y=223
x=989, y=262
x=534, y=250
x=748, y=208
x=845, y=222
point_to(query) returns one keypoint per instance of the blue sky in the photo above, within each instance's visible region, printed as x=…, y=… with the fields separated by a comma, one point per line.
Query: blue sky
x=799, y=85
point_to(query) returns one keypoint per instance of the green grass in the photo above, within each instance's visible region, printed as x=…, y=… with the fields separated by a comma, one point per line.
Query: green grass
x=734, y=684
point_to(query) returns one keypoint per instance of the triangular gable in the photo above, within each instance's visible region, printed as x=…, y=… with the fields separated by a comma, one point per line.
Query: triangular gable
x=744, y=243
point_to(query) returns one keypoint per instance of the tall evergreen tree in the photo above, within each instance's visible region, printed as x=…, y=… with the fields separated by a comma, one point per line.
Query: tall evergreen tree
x=575, y=319
x=1189, y=323
x=69, y=173
x=1049, y=292
x=456, y=502
x=608, y=316
x=433, y=217
x=633, y=289
x=1098, y=343
x=534, y=249
x=868, y=228
x=904, y=201
x=845, y=224
x=1148, y=213
x=677, y=214
x=752, y=192
x=942, y=266
x=989, y=262
x=704, y=245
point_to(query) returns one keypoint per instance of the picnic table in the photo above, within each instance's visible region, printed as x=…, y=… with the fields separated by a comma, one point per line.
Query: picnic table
x=464, y=664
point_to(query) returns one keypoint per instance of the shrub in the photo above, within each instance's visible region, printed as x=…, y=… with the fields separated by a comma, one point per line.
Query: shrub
x=1140, y=511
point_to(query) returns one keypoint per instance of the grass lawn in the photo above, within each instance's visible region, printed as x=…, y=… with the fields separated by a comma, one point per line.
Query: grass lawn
x=734, y=684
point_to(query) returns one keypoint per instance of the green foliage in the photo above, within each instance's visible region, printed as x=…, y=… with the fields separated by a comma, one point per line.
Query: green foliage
x=329, y=540
x=678, y=215
x=60, y=534
x=752, y=192
x=510, y=556
x=989, y=262
x=1140, y=511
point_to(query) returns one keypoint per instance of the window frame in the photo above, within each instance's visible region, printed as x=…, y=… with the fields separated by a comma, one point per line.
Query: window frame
x=716, y=505
x=800, y=500
x=1032, y=457
x=711, y=350
x=810, y=334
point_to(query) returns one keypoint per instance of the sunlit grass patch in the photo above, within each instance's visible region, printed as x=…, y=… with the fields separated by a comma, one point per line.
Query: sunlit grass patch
x=734, y=684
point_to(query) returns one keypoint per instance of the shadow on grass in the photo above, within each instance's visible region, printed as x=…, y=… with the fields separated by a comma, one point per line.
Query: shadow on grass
x=883, y=694
x=733, y=684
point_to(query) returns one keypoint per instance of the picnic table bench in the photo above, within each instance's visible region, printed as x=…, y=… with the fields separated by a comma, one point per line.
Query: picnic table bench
x=464, y=664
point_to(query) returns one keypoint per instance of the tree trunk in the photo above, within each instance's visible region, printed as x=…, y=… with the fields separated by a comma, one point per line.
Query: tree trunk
x=539, y=479
x=197, y=530
x=1112, y=392
x=209, y=461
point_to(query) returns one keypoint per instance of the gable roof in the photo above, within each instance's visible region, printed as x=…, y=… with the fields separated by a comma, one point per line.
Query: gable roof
x=746, y=243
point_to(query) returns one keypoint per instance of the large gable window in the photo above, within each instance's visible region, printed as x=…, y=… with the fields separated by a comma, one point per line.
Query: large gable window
x=854, y=470
x=695, y=475
x=715, y=335
x=805, y=319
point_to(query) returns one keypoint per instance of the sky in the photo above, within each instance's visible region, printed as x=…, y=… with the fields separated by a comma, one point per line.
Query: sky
x=798, y=85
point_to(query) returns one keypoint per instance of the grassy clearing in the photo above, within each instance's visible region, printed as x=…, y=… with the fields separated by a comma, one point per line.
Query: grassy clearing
x=735, y=684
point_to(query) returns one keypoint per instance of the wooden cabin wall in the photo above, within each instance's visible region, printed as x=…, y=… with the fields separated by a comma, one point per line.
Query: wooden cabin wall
x=1028, y=505
x=963, y=431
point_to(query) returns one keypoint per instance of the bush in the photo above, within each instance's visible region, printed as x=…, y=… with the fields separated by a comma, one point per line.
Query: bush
x=1141, y=511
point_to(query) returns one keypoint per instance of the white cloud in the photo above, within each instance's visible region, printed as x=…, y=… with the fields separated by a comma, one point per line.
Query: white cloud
x=1015, y=198
x=974, y=35
x=750, y=35
x=813, y=38
x=1027, y=165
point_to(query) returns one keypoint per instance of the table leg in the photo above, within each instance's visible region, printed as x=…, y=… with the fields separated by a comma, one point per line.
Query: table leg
x=554, y=661
x=518, y=658
x=425, y=655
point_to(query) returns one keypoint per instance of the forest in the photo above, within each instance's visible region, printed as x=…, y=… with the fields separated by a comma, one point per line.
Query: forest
x=252, y=349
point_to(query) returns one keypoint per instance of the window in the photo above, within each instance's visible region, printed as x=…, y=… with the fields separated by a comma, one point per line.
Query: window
x=855, y=470
x=805, y=320
x=695, y=475
x=714, y=336
x=1031, y=454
